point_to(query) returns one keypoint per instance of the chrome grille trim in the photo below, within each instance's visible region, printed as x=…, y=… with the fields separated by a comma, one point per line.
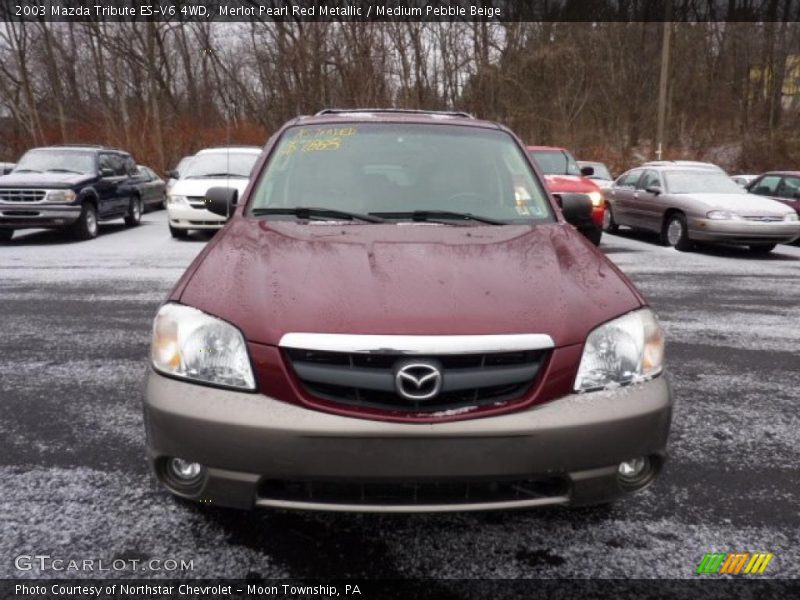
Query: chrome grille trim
x=416, y=344
x=765, y=218
x=29, y=196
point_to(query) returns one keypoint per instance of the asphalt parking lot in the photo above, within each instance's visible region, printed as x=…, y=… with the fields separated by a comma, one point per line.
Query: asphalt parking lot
x=76, y=322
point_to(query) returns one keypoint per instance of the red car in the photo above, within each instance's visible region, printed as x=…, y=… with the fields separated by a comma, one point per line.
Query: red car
x=398, y=316
x=562, y=174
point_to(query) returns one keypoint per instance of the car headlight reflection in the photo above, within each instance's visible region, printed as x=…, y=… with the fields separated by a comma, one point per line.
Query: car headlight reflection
x=190, y=344
x=723, y=215
x=627, y=350
x=596, y=198
x=60, y=196
x=177, y=200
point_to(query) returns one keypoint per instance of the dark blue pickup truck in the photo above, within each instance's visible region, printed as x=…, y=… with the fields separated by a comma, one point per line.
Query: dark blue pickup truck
x=70, y=187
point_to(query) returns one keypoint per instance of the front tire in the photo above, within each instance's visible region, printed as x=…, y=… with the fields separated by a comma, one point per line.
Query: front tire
x=178, y=234
x=609, y=224
x=6, y=235
x=762, y=249
x=675, y=233
x=86, y=226
x=134, y=216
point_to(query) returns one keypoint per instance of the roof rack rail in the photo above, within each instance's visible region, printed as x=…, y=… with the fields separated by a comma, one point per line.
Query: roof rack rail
x=76, y=146
x=408, y=111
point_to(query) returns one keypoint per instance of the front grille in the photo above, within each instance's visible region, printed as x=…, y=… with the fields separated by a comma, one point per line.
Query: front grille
x=765, y=219
x=413, y=493
x=368, y=379
x=196, y=201
x=12, y=195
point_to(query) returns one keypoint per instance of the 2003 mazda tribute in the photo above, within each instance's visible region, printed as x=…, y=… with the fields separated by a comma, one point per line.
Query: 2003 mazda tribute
x=398, y=317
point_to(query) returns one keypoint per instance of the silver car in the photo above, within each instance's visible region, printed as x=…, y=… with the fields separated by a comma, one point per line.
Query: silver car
x=690, y=204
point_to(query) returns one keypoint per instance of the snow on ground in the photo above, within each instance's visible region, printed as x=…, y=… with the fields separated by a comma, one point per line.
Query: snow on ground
x=76, y=320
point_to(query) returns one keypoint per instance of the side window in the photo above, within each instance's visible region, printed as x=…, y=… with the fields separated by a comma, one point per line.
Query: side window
x=789, y=188
x=104, y=162
x=130, y=166
x=649, y=179
x=118, y=164
x=766, y=186
x=629, y=179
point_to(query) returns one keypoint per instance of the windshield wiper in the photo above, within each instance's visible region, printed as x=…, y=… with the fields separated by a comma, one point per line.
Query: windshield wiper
x=26, y=171
x=307, y=212
x=214, y=175
x=63, y=171
x=427, y=215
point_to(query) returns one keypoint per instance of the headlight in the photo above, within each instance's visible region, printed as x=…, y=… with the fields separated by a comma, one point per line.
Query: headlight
x=177, y=200
x=723, y=215
x=60, y=196
x=596, y=198
x=790, y=217
x=628, y=349
x=190, y=344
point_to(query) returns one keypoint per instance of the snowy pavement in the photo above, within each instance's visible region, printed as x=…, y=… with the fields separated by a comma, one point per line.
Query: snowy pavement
x=76, y=322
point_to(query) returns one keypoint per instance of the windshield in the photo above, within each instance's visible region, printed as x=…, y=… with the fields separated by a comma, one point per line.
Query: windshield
x=59, y=161
x=401, y=168
x=555, y=162
x=600, y=171
x=700, y=182
x=220, y=164
x=184, y=162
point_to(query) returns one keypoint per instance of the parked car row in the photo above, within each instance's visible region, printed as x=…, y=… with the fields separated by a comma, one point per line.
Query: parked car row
x=76, y=187
x=683, y=201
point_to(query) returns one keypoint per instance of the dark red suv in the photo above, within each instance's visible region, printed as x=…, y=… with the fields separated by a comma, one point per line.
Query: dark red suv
x=397, y=317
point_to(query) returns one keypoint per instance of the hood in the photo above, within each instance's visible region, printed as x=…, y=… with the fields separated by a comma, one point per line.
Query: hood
x=198, y=187
x=570, y=183
x=44, y=180
x=745, y=204
x=274, y=277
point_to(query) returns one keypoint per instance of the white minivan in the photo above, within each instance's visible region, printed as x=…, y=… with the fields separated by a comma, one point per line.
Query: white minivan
x=226, y=166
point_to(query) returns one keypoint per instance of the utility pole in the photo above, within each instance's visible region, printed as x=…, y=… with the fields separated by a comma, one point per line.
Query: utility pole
x=662, y=84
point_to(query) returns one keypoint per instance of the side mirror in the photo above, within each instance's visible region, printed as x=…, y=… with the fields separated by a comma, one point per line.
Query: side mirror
x=173, y=174
x=106, y=172
x=587, y=171
x=576, y=208
x=221, y=200
x=653, y=189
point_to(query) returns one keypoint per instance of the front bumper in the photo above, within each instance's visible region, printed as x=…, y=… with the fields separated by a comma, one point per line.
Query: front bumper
x=743, y=232
x=247, y=441
x=188, y=217
x=24, y=216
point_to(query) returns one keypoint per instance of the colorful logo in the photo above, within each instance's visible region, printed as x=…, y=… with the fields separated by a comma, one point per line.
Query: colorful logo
x=734, y=563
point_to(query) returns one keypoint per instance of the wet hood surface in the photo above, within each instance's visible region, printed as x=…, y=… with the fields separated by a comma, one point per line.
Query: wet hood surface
x=43, y=180
x=744, y=203
x=570, y=183
x=273, y=277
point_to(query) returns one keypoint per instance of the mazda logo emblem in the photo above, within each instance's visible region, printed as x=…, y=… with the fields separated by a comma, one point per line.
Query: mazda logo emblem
x=418, y=380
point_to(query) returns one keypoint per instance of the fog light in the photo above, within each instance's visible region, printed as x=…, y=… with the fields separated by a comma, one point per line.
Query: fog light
x=635, y=473
x=185, y=472
x=631, y=469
